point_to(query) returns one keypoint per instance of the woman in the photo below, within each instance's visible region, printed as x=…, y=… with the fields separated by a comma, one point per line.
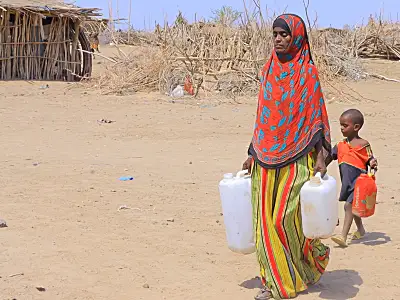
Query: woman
x=290, y=135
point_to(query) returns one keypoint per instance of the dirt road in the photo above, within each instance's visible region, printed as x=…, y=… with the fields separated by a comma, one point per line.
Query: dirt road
x=61, y=193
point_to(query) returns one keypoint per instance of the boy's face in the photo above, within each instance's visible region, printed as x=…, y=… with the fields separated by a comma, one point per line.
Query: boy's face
x=348, y=128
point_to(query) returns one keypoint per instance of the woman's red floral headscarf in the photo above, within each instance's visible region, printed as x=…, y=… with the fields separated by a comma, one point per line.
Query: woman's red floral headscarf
x=291, y=114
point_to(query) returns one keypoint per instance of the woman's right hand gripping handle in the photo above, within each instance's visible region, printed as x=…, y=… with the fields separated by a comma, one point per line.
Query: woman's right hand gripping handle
x=247, y=164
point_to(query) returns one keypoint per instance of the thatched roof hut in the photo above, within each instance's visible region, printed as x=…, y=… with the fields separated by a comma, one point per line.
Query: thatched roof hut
x=43, y=40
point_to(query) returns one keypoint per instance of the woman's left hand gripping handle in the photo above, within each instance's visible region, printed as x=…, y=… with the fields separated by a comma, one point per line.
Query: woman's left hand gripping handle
x=248, y=164
x=320, y=166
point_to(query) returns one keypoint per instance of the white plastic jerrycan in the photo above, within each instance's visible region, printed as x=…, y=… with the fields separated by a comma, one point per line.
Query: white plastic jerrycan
x=319, y=207
x=235, y=195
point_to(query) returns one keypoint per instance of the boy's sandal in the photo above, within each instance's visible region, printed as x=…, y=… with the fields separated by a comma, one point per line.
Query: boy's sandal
x=340, y=241
x=357, y=236
x=264, y=294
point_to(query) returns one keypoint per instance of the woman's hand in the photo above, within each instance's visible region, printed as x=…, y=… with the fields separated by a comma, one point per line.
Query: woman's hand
x=247, y=164
x=320, y=166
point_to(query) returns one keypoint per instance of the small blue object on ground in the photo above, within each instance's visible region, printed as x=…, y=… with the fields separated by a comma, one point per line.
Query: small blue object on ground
x=126, y=178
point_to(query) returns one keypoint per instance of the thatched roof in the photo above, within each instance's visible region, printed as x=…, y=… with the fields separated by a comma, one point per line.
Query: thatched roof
x=22, y=3
x=49, y=7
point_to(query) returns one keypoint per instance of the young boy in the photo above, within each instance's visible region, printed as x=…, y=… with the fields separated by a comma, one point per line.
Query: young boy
x=354, y=155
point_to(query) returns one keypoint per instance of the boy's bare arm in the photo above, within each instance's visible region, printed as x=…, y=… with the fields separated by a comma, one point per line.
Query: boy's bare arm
x=373, y=162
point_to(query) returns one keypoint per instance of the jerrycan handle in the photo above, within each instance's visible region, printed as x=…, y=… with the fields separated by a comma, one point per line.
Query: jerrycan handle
x=316, y=180
x=241, y=174
x=318, y=175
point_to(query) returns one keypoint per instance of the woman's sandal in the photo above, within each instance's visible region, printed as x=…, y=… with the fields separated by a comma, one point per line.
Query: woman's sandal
x=264, y=294
x=340, y=241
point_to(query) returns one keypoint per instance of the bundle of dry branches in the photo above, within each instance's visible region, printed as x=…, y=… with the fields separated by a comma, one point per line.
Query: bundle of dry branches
x=128, y=75
x=379, y=39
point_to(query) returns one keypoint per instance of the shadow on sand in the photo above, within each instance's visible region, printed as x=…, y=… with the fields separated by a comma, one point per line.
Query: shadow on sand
x=373, y=239
x=252, y=284
x=334, y=285
x=337, y=285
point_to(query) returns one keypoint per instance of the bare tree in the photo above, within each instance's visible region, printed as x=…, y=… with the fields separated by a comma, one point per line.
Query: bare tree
x=226, y=15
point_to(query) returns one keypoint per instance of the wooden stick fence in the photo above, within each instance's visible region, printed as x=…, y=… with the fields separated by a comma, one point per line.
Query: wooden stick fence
x=219, y=58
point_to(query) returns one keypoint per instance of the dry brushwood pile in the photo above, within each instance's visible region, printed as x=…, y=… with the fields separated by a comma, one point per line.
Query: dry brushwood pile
x=380, y=40
x=221, y=59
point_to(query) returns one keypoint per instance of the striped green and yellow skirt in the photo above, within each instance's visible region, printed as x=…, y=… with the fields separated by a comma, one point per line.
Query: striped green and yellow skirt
x=288, y=260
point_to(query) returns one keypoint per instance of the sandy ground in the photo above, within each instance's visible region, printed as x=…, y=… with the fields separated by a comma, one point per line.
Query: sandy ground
x=60, y=197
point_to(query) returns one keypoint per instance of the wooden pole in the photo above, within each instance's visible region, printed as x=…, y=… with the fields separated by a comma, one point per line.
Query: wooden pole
x=74, y=47
x=110, y=15
x=129, y=21
x=98, y=54
x=118, y=12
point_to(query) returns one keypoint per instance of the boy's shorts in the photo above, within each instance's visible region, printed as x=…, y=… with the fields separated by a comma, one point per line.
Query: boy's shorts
x=349, y=198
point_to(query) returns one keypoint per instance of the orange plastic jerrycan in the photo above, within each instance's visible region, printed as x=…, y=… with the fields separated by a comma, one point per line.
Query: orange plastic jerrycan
x=365, y=191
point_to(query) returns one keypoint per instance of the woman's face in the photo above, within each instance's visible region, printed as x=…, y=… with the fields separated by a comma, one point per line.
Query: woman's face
x=282, y=40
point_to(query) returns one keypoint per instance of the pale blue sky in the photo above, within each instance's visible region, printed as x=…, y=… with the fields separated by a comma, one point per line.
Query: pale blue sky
x=330, y=12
